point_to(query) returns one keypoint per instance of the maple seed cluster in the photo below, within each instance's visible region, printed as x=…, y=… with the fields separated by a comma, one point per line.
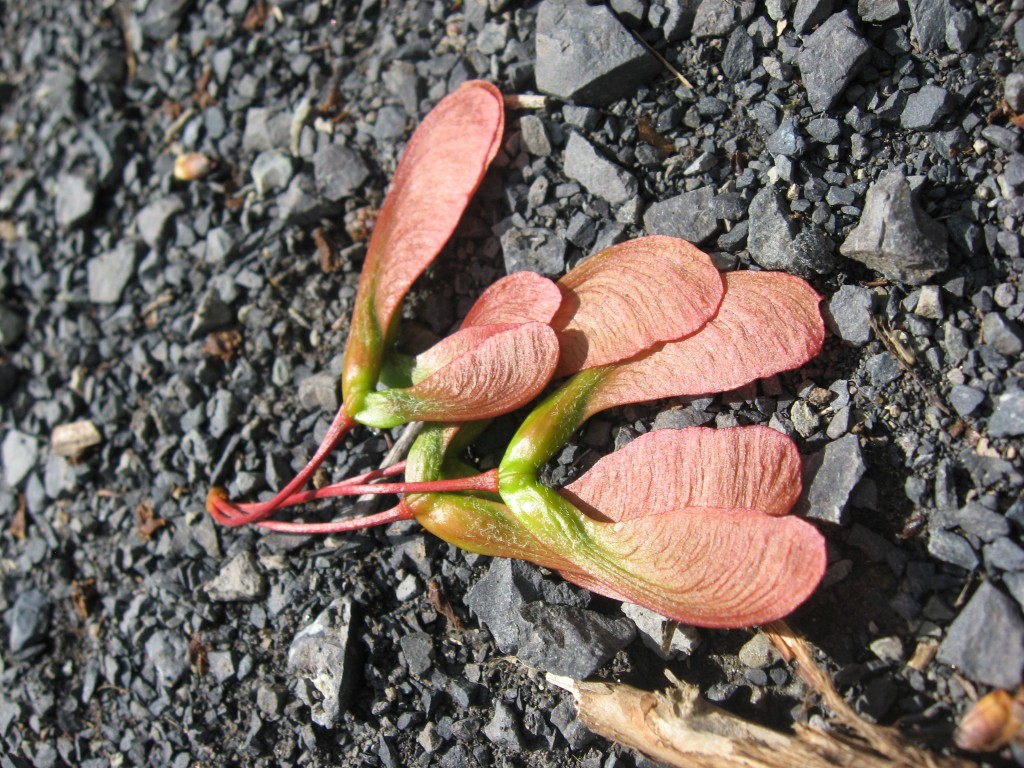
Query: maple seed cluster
x=691, y=523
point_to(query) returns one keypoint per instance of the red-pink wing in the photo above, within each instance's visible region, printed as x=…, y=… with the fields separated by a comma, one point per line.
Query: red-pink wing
x=521, y=297
x=442, y=166
x=768, y=322
x=708, y=567
x=631, y=296
x=502, y=373
x=456, y=345
x=740, y=468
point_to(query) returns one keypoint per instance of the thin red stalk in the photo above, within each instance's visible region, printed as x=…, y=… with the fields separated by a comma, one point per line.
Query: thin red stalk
x=400, y=512
x=487, y=481
x=229, y=513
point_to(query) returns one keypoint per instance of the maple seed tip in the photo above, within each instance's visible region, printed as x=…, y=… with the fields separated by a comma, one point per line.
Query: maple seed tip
x=215, y=495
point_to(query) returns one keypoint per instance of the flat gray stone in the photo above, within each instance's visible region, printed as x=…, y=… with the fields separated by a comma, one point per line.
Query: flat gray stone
x=533, y=249
x=584, y=55
x=339, y=172
x=965, y=400
x=714, y=18
x=12, y=326
x=322, y=656
x=238, y=581
x=831, y=57
x=895, y=237
x=598, y=174
x=1007, y=419
x=1002, y=334
x=774, y=243
x=534, y=136
x=847, y=314
x=19, y=453
x=154, y=220
x=212, y=315
x=168, y=652
x=926, y=107
x=878, y=10
x=809, y=13
x=570, y=641
x=738, y=61
x=109, y=273
x=689, y=216
x=928, y=20
x=28, y=621
x=76, y=197
x=986, y=641
x=271, y=171
x=950, y=547
x=829, y=478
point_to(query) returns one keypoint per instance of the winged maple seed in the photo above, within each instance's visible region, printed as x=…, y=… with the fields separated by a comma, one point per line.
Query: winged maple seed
x=690, y=523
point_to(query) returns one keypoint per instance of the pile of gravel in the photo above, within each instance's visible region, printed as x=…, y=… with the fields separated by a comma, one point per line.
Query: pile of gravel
x=192, y=332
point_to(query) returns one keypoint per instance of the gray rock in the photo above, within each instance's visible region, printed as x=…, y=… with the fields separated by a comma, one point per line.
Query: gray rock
x=714, y=18
x=952, y=548
x=492, y=38
x=321, y=654
x=19, y=453
x=848, y=314
x=1004, y=555
x=109, y=273
x=418, y=650
x=503, y=729
x=226, y=408
x=221, y=245
x=824, y=130
x=895, y=237
x=570, y=641
x=1002, y=137
x=829, y=478
x=689, y=216
x=774, y=244
x=271, y=171
x=585, y=55
x=831, y=57
x=1007, y=419
x=928, y=20
x=597, y=173
x=212, y=315
x=926, y=107
x=651, y=627
x=757, y=652
x=986, y=641
x=265, y=129
x=76, y=196
x=961, y=30
x=168, y=653
x=533, y=250
x=810, y=13
x=154, y=220
x=535, y=136
x=567, y=721
x=738, y=60
x=319, y=392
x=238, y=581
x=390, y=125
x=338, y=171
x=1003, y=335
x=965, y=400
x=1013, y=91
x=878, y=10
x=28, y=622
x=162, y=18
x=498, y=598
x=12, y=326
x=301, y=203
x=883, y=369
x=787, y=140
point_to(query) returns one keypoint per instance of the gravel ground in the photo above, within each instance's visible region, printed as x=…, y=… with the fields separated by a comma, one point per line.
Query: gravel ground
x=192, y=330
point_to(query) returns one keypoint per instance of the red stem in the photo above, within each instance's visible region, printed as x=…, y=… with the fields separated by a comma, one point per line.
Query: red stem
x=229, y=513
x=487, y=481
x=400, y=512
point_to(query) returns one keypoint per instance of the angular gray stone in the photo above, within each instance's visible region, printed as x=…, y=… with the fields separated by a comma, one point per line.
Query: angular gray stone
x=883, y=369
x=926, y=107
x=1004, y=555
x=829, y=478
x=162, y=18
x=986, y=641
x=109, y=273
x=571, y=641
x=651, y=628
x=848, y=314
x=534, y=136
x=12, y=326
x=1013, y=91
x=322, y=655
x=1007, y=419
x=533, y=249
x=168, y=652
x=895, y=237
x=271, y=171
x=212, y=315
x=238, y=581
x=738, y=60
x=28, y=621
x=787, y=140
x=961, y=29
x=773, y=242
x=714, y=18
x=878, y=10
x=503, y=729
x=809, y=13
x=831, y=57
x=76, y=196
x=928, y=20
x=19, y=453
x=338, y=171
x=154, y=220
x=965, y=400
x=319, y=392
x=689, y=216
x=418, y=650
x=597, y=173
x=584, y=55
x=221, y=245
x=952, y=548
x=1003, y=335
